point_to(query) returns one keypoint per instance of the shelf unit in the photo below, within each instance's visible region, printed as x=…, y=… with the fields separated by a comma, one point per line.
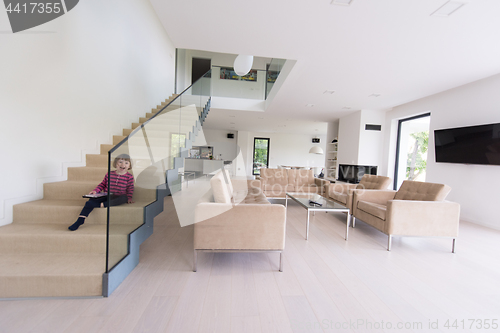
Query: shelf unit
x=331, y=160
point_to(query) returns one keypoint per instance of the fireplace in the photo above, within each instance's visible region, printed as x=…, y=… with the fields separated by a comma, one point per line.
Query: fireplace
x=354, y=173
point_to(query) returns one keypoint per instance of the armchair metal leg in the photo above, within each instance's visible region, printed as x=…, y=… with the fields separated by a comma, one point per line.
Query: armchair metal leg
x=281, y=261
x=389, y=242
x=195, y=260
x=349, y=217
x=353, y=221
x=453, y=245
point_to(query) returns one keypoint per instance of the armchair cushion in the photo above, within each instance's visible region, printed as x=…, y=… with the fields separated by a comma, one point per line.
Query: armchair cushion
x=374, y=182
x=412, y=190
x=227, y=178
x=220, y=189
x=374, y=209
x=340, y=197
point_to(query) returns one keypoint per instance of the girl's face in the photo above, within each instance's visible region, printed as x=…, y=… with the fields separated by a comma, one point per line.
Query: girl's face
x=122, y=165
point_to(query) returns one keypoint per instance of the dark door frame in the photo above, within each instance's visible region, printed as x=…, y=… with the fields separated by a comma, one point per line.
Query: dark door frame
x=253, y=153
x=400, y=122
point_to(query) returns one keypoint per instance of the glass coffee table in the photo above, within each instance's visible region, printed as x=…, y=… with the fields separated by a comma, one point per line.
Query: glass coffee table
x=327, y=205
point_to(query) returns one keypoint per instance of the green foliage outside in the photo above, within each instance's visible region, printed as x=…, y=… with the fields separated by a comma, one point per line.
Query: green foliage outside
x=260, y=155
x=417, y=157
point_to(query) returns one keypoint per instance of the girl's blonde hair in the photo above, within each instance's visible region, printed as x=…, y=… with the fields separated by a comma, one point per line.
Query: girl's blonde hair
x=122, y=157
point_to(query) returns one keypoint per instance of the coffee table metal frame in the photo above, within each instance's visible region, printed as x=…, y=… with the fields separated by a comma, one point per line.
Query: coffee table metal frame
x=327, y=206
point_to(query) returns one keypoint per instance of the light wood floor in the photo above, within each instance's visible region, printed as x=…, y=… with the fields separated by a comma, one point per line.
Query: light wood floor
x=327, y=283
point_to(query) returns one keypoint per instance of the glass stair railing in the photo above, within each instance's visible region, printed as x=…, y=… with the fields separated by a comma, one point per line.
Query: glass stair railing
x=157, y=147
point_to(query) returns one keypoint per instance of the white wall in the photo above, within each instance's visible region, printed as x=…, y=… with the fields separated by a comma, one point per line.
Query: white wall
x=474, y=187
x=222, y=145
x=69, y=85
x=349, y=127
x=285, y=149
x=357, y=145
x=371, y=146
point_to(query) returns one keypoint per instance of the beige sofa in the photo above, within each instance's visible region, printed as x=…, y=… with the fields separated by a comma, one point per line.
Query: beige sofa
x=235, y=216
x=276, y=182
x=416, y=209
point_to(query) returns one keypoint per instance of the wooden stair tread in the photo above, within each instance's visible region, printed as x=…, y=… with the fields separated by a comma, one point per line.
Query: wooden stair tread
x=52, y=264
x=62, y=230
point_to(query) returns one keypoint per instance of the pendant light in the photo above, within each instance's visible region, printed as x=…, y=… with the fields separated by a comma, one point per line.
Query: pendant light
x=243, y=64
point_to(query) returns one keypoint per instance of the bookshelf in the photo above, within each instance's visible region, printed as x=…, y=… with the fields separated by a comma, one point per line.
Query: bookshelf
x=331, y=160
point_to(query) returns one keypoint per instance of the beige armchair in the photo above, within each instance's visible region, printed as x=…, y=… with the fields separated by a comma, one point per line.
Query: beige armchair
x=342, y=193
x=416, y=209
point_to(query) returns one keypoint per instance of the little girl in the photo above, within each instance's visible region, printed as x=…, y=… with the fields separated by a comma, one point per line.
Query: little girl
x=121, y=188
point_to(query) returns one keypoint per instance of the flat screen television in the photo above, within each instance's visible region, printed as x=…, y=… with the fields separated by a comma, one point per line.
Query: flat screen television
x=468, y=145
x=353, y=173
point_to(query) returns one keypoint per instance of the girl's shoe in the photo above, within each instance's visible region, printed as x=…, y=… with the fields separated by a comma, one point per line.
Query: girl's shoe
x=77, y=224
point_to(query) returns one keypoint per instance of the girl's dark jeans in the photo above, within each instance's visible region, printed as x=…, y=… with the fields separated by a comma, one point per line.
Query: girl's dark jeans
x=115, y=200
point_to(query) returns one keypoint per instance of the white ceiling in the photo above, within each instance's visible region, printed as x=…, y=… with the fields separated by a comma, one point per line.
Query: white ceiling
x=389, y=47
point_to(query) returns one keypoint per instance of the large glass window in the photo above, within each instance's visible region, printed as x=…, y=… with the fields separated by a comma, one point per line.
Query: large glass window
x=260, y=154
x=411, y=152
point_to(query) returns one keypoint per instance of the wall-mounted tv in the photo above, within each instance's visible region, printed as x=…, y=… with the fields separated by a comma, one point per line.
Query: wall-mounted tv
x=468, y=145
x=354, y=173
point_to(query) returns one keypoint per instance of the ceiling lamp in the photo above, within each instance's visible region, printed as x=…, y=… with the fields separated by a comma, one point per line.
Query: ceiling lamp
x=243, y=64
x=316, y=150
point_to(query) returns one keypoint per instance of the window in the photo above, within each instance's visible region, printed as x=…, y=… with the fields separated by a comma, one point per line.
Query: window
x=260, y=154
x=177, y=142
x=411, y=151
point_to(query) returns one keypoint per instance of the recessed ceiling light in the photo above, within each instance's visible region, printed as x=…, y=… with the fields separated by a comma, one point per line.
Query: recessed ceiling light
x=448, y=8
x=374, y=95
x=261, y=117
x=341, y=2
x=309, y=105
x=331, y=92
x=346, y=108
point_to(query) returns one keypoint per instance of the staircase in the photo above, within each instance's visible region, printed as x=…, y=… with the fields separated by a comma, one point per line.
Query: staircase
x=40, y=257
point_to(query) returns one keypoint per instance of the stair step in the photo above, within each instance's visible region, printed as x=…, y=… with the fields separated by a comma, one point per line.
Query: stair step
x=72, y=190
x=97, y=160
x=68, y=189
x=56, y=238
x=105, y=148
x=51, y=275
x=87, y=173
x=66, y=212
x=118, y=138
